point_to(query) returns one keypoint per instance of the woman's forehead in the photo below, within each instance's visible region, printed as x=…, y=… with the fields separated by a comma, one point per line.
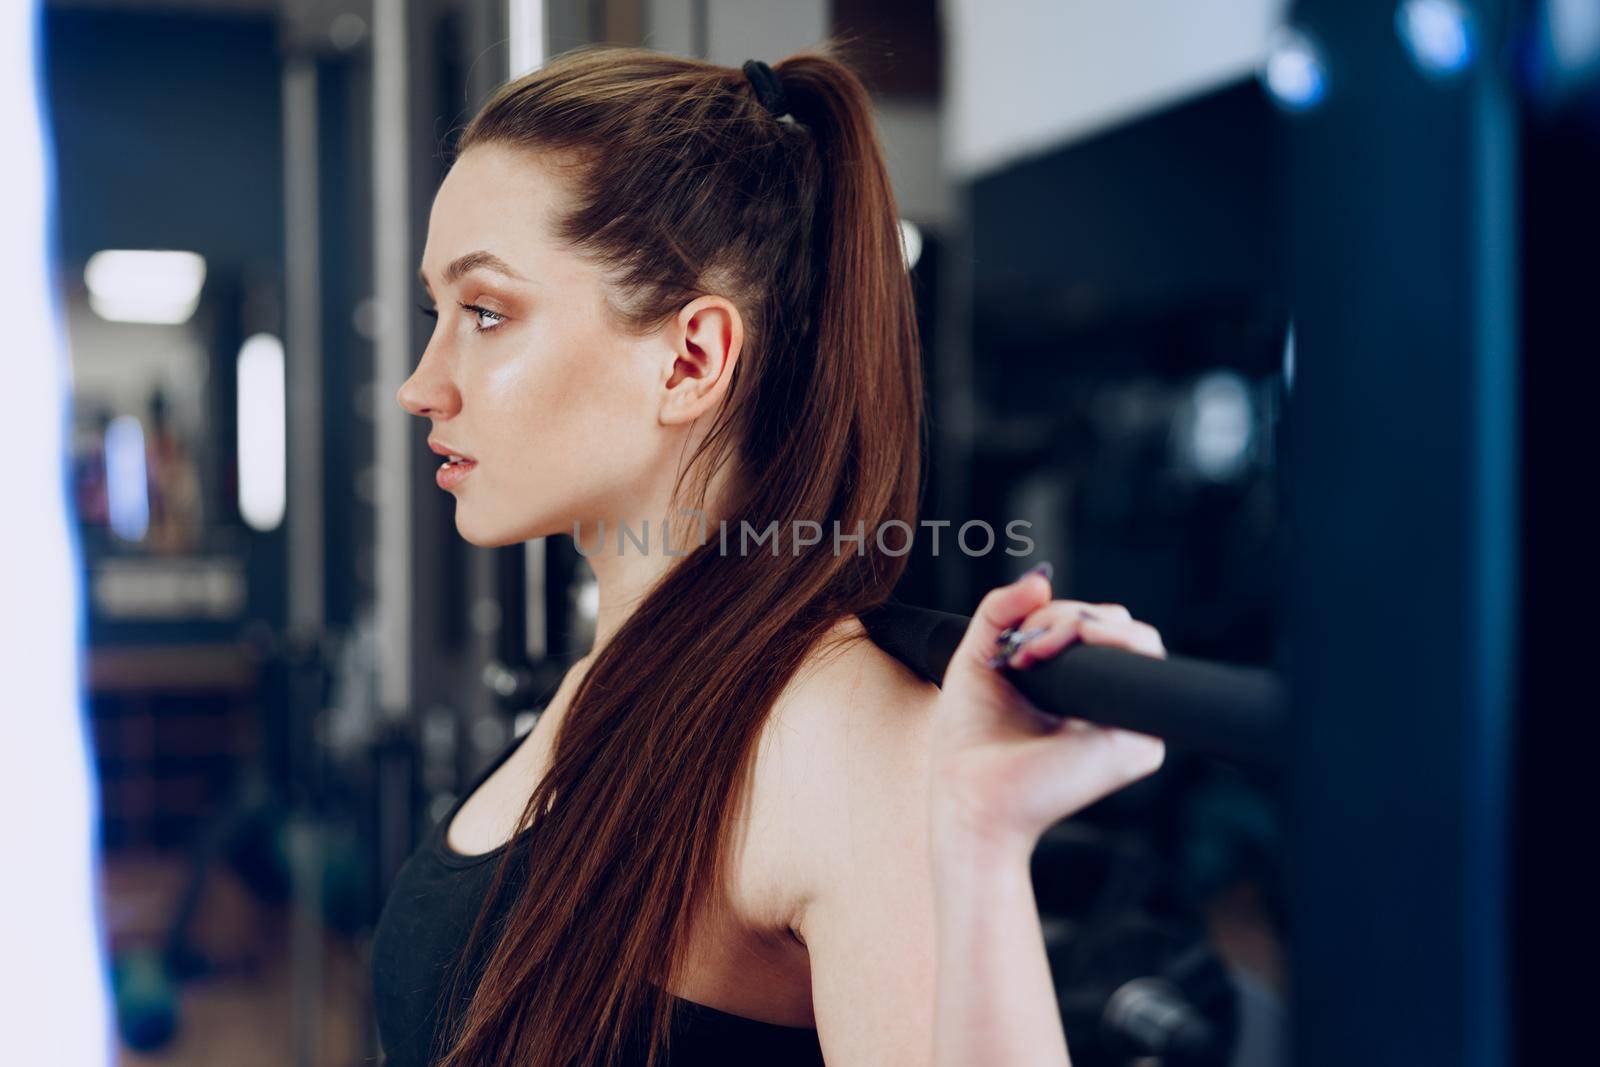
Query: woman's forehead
x=499, y=202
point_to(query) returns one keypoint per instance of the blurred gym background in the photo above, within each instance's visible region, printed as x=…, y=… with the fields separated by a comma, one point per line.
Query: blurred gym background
x=294, y=662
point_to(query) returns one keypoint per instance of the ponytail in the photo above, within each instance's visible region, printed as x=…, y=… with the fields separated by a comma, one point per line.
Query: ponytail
x=866, y=330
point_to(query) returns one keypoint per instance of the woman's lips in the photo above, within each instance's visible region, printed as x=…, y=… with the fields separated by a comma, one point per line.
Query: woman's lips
x=456, y=466
x=453, y=471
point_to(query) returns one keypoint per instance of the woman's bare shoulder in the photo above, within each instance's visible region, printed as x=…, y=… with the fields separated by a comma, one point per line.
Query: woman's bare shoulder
x=850, y=691
x=847, y=744
x=846, y=724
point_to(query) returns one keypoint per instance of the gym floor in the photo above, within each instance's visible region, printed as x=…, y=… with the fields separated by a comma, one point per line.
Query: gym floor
x=240, y=1014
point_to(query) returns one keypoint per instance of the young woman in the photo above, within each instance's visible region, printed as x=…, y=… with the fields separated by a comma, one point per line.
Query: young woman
x=740, y=832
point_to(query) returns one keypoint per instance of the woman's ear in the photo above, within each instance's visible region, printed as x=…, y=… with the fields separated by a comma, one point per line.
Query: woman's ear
x=704, y=340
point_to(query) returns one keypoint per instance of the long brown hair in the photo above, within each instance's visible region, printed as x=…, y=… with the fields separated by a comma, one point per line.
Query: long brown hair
x=684, y=184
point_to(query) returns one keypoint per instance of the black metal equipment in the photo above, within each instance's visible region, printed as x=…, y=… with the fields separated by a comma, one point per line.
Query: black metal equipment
x=1235, y=713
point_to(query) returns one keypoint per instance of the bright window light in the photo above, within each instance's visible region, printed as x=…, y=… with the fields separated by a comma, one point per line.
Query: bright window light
x=262, y=434
x=138, y=286
x=53, y=988
x=127, y=483
x=529, y=49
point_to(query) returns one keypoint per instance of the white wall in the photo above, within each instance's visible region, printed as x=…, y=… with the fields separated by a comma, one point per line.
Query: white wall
x=763, y=29
x=910, y=132
x=1024, y=76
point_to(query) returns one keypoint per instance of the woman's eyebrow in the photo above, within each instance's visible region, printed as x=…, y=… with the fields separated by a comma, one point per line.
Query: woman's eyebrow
x=463, y=265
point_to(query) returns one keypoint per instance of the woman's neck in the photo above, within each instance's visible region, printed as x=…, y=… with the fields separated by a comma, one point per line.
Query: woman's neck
x=626, y=574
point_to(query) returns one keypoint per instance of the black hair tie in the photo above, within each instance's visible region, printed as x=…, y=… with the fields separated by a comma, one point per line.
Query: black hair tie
x=769, y=90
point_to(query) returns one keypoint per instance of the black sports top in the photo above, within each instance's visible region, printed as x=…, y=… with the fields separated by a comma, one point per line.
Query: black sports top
x=436, y=896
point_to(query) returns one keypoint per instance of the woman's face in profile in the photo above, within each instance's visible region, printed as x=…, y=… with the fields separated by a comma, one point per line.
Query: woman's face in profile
x=525, y=374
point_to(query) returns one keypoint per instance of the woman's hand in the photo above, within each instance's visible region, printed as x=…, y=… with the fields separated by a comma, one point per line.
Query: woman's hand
x=1004, y=772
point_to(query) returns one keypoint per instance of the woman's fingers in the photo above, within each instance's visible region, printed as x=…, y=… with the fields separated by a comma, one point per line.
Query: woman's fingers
x=1131, y=634
x=1041, y=779
x=1001, y=610
x=1091, y=762
x=1060, y=623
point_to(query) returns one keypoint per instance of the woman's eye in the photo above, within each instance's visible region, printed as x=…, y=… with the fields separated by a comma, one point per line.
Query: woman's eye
x=486, y=319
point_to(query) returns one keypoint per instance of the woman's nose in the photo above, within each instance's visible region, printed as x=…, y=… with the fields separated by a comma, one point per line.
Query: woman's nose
x=428, y=393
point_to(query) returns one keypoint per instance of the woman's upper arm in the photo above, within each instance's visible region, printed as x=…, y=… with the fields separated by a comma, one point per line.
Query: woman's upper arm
x=868, y=920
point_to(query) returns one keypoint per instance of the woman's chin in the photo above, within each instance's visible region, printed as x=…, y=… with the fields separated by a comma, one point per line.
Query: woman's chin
x=482, y=534
x=488, y=533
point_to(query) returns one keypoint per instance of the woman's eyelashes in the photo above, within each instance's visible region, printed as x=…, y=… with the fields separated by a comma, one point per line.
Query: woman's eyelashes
x=485, y=320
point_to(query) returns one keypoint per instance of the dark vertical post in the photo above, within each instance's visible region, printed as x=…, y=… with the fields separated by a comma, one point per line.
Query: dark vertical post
x=1404, y=447
x=1553, y=903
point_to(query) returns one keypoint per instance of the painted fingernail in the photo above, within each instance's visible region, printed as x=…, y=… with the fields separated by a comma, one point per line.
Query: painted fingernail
x=1042, y=568
x=1014, y=639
